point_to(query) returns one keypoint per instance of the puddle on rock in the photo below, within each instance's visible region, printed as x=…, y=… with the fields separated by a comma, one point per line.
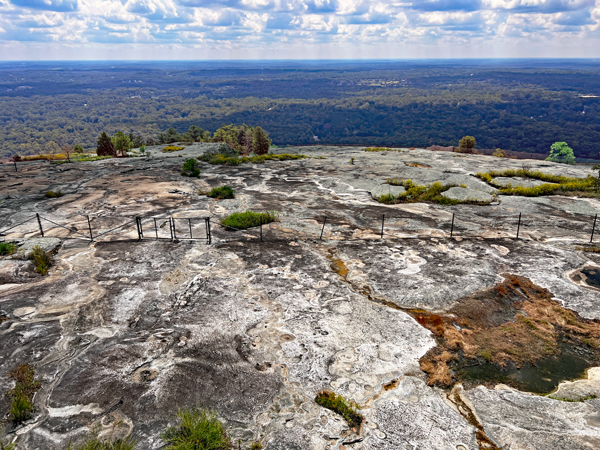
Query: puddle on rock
x=513, y=333
x=587, y=276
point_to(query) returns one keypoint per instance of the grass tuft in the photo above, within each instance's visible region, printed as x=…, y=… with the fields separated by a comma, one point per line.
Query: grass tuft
x=95, y=443
x=197, y=429
x=221, y=192
x=21, y=395
x=54, y=194
x=7, y=248
x=341, y=406
x=41, y=260
x=249, y=219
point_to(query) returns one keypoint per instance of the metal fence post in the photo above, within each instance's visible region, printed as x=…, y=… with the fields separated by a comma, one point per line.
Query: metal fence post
x=40, y=224
x=155, y=229
x=171, y=228
x=90, y=227
x=452, y=226
x=260, y=226
x=593, y=228
x=137, y=224
x=190, y=224
x=141, y=228
x=382, y=223
x=519, y=226
x=174, y=232
x=16, y=170
x=323, y=229
x=208, y=233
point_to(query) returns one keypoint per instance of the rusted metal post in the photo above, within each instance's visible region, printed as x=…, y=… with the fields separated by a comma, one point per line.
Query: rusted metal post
x=141, y=228
x=452, y=226
x=323, y=229
x=190, y=224
x=174, y=232
x=40, y=224
x=593, y=228
x=382, y=223
x=519, y=226
x=90, y=227
x=156, y=229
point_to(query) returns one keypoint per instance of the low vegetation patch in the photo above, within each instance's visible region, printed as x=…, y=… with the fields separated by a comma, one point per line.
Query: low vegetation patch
x=221, y=192
x=7, y=445
x=196, y=429
x=575, y=400
x=249, y=219
x=219, y=159
x=190, y=168
x=21, y=395
x=171, y=148
x=54, y=194
x=42, y=260
x=590, y=248
x=378, y=149
x=341, y=406
x=500, y=334
x=95, y=443
x=422, y=194
x=7, y=248
x=554, y=184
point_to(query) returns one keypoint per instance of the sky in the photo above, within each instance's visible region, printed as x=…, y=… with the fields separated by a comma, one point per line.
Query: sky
x=297, y=29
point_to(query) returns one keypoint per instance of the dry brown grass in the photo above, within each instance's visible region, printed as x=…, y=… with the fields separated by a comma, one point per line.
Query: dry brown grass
x=514, y=322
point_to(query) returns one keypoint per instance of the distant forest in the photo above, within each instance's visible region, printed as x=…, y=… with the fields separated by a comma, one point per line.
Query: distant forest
x=513, y=105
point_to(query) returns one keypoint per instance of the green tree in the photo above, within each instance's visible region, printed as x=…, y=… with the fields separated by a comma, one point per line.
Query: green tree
x=467, y=142
x=190, y=168
x=260, y=141
x=121, y=143
x=77, y=149
x=105, y=146
x=194, y=133
x=169, y=136
x=560, y=152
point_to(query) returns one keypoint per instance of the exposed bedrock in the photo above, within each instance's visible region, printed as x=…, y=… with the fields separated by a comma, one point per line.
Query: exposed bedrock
x=123, y=333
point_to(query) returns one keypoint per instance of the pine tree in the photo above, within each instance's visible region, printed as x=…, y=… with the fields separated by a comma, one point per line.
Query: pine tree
x=260, y=141
x=105, y=146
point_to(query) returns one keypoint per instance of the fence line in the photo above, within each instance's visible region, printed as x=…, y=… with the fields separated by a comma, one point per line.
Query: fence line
x=206, y=233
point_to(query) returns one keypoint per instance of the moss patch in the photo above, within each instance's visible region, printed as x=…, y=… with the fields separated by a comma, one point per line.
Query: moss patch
x=341, y=406
x=248, y=219
x=513, y=333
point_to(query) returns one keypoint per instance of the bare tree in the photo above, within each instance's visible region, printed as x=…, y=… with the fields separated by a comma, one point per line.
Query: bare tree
x=67, y=150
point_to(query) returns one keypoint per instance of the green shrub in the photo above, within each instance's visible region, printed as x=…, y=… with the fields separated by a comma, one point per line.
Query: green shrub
x=249, y=219
x=256, y=446
x=190, y=168
x=54, y=194
x=378, y=149
x=197, y=429
x=341, y=406
x=21, y=395
x=41, y=260
x=7, y=248
x=221, y=192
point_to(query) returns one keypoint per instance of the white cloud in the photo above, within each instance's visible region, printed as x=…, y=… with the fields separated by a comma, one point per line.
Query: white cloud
x=450, y=26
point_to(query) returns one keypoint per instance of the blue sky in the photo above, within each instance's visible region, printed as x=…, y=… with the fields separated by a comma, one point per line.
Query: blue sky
x=303, y=29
